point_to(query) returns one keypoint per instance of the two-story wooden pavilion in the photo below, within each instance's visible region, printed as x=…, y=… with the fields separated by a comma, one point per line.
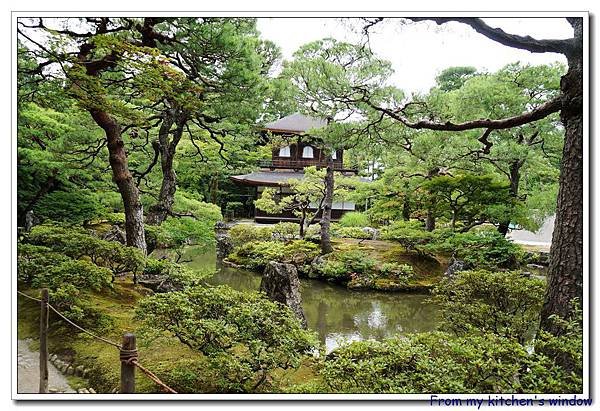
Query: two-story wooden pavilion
x=289, y=160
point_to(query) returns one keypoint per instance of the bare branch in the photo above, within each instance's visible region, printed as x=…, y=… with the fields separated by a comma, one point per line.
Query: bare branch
x=511, y=40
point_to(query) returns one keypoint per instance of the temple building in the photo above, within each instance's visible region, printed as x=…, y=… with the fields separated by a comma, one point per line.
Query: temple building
x=288, y=162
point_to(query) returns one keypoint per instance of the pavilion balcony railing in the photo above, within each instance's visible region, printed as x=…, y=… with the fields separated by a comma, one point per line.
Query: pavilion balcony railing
x=300, y=164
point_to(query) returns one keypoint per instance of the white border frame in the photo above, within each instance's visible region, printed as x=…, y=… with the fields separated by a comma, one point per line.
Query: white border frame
x=318, y=14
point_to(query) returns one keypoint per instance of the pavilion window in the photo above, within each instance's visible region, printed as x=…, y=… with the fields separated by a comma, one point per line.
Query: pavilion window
x=284, y=151
x=307, y=152
x=334, y=155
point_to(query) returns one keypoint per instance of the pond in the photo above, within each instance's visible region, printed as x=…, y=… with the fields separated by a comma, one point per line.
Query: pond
x=334, y=312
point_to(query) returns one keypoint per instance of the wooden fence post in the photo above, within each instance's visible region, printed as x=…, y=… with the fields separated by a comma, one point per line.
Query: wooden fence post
x=128, y=353
x=44, y=342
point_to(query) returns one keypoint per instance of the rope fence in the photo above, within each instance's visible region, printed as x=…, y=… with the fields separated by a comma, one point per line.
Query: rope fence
x=128, y=354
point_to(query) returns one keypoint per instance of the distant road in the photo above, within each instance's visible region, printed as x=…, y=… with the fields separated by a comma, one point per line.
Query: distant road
x=542, y=238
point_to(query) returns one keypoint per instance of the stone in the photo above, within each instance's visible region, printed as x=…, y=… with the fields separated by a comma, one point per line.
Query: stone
x=455, y=266
x=79, y=370
x=159, y=283
x=373, y=232
x=115, y=234
x=224, y=244
x=280, y=282
x=536, y=266
x=70, y=370
x=315, y=266
x=91, y=390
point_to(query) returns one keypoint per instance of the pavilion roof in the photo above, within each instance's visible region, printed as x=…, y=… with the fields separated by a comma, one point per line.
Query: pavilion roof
x=295, y=123
x=272, y=178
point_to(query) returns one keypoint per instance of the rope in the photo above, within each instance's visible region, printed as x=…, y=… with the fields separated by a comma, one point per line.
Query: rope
x=83, y=329
x=129, y=357
x=30, y=297
x=154, y=378
x=71, y=322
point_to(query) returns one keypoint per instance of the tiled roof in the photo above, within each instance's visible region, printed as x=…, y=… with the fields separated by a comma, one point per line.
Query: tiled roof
x=297, y=123
x=272, y=178
x=268, y=177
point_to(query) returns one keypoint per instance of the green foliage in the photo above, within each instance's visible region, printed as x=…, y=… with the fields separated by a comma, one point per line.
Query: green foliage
x=567, y=345
x=284, y=231
x=257, y=254
x=33, y=260
x=471, y=199
x=305, y=193
x=344, y=265
x=300, y=252
x=410, y=234
x=399, y=272
x=354, y=219
x=78, y=273
x=195, y=227
x=69, y=206
x=241, y=234
x=243, y=335
x=349, y=232
x=485, y=248
x=441, y=363
x=179, y=276
x=504, y=303
x=67, y=280
x=453, y=78
x=77, y=244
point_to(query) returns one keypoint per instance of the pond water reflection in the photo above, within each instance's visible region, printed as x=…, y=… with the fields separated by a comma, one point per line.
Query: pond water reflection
x=334, y=312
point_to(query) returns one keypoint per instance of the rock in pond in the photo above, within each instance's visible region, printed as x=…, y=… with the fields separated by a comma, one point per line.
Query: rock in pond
x=280, y=282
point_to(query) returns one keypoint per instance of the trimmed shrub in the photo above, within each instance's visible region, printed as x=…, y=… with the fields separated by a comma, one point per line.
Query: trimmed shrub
x=504, y=303
x=244, y=336
x=349, y=232
x=241, y=234
x=398, y=272
x=484, y=248
x=257, y=254
x=410, y=234
x=442, y=363
x=354, y=219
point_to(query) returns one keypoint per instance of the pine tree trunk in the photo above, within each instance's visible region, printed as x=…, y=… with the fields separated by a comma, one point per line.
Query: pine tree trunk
x=302, y=222
x=326, y=246
x=164, y=205
x=430, y=220
x=134, y=211
x=406, y=208
x=515, y=176
x=565, y=274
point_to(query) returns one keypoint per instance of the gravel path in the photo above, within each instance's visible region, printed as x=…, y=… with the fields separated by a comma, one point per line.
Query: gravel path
x=28, y=372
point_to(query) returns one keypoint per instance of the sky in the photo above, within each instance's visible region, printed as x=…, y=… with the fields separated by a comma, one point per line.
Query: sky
x=419, y=51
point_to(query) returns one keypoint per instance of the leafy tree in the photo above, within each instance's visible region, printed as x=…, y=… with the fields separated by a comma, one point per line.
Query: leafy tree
x=454, y=77
x=243, y=335
x=307, y=198
x=471, y=199
x=79, y=244
x=325, y=74
x=566, y=265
